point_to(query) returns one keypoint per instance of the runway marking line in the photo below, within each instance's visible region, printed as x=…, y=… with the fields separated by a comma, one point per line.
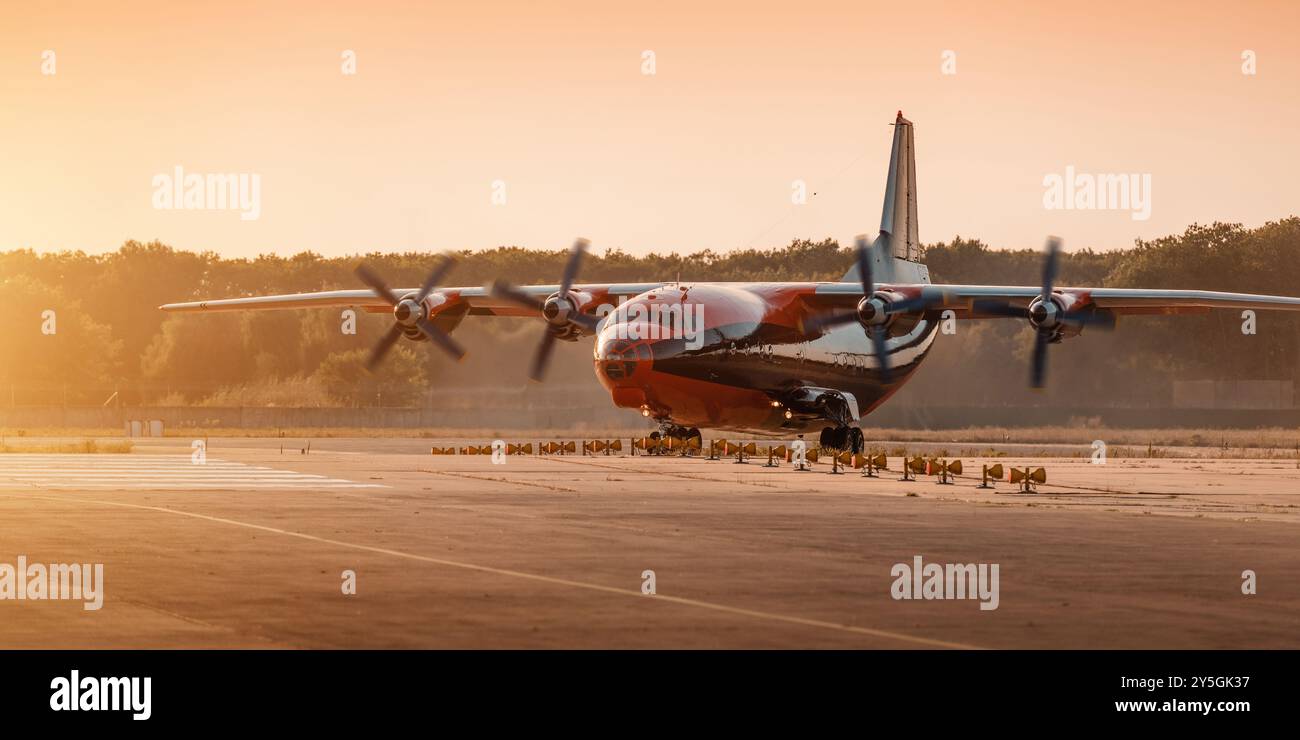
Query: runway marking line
x=58, y=471
x=684, y=601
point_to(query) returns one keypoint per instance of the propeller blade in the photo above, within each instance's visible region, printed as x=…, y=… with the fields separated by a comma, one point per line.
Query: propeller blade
x=384, y=344
x=436, y=277
x=377, y=284
x=571, y=267
x=505, y=291
x=543, y=356
x=426, y=327
x=585, y=320
x=1050, y=266
x=910, y=304
x=441, y=338
x=1039, y=367
x=999, y=308
x=882, y=356
x=818, y=322
x=864, y=266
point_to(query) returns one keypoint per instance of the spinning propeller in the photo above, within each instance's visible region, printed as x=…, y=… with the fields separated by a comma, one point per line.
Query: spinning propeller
x=1046, y=314
x=874, y=311
x=412, y=316
x=559, y=309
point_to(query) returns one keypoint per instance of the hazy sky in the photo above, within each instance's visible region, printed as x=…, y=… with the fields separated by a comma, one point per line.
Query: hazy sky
x=551, y=99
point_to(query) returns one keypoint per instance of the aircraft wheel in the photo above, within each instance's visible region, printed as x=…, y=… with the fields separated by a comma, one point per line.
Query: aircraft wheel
x=827, y=440
x=856, y=441
x=841, y=438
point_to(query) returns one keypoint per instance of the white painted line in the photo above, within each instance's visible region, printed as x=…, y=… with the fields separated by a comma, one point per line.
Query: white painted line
x=155, y=472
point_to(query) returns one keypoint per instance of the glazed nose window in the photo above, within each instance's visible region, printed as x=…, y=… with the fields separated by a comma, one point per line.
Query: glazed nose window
x=618, y=358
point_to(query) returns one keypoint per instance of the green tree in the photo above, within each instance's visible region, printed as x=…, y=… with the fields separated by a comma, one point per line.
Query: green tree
x=51, y=347
x=399, y=381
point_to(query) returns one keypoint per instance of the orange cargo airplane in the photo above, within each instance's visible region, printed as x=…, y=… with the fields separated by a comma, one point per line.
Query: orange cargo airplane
x=769, y=358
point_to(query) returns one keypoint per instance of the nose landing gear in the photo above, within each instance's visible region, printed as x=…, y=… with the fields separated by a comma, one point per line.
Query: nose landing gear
x=682, y=438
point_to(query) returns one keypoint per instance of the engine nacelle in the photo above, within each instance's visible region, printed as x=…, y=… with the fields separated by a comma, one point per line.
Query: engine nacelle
x=409, y=311
x=873, y=311
x=1050, y=315
x=557, y=309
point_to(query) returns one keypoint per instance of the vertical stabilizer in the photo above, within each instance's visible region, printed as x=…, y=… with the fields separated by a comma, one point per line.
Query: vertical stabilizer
x=896, y=253
x=899, y=218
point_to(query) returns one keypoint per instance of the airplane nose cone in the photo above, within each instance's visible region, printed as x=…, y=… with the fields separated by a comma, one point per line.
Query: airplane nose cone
x=617, y=360
x=621, y=366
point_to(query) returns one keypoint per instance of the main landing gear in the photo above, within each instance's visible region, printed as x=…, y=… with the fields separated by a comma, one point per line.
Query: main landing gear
x=842, y=438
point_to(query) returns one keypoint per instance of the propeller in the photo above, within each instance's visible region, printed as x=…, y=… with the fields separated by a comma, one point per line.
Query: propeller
x=1044, y=309
x=1044, y=314
x=558, y=309
x=409, y=312
x=873, y=311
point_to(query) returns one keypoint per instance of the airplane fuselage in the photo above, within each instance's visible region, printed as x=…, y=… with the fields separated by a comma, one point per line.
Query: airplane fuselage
x=749, y=352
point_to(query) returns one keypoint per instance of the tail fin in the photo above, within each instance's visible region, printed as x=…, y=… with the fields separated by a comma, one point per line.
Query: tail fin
x=899, y=218
x=896, y=253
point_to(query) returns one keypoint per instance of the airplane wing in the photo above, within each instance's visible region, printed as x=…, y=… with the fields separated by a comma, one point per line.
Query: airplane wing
x=477, y=301
x=1129, y=301
x=961, y=299
x=1065, y=314
x=966, y=300
x=834, y=301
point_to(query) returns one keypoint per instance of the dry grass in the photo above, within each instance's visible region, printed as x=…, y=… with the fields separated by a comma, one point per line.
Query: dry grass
x=1274, y=437
x=1268, y=443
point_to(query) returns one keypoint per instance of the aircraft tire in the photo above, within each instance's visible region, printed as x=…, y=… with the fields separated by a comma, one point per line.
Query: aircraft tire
x=856, y=440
